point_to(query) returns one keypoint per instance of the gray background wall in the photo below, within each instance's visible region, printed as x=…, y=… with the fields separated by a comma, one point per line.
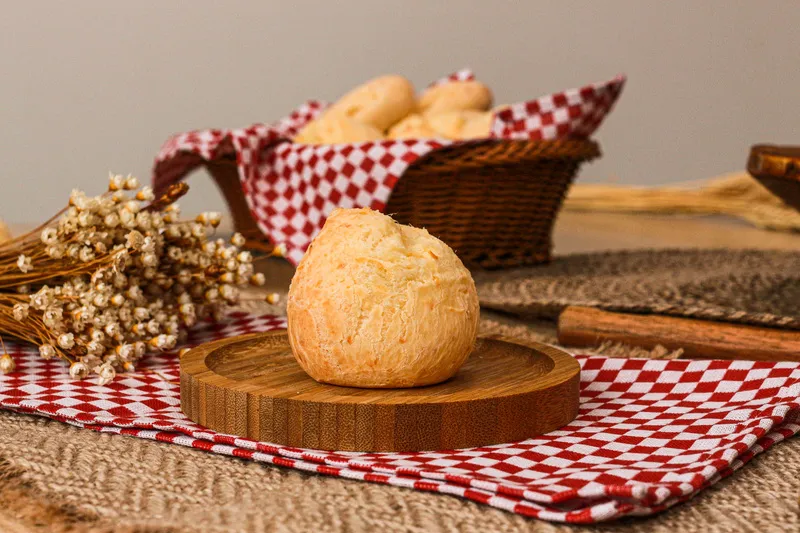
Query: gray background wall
x=93, y=86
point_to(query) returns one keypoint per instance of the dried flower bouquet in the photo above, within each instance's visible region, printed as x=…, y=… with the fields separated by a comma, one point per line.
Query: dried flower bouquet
x=113, y=276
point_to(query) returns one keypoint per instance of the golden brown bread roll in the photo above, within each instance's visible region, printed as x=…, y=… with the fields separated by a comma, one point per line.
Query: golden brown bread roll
x=462, y=125
x=455, y=96
x=380, y=102
x=335, y=129
x=377, y=304
x=412, y=127
x=308, y=135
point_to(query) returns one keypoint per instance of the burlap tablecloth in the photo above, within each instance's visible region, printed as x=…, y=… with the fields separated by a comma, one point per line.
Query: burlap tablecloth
x=55, y=477
x=745, y=286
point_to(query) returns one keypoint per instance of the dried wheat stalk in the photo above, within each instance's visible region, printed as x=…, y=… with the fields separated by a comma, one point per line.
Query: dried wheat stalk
x=736, y=195
x=111, y=277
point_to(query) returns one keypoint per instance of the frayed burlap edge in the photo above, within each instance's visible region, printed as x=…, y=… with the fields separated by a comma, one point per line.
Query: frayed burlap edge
x=497, y=325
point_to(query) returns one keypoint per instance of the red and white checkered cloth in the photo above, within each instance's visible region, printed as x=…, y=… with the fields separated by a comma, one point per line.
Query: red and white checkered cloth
x=650, y=433
x=292, y=188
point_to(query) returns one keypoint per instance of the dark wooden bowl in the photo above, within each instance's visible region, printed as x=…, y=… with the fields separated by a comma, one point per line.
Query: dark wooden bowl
x=778, y=169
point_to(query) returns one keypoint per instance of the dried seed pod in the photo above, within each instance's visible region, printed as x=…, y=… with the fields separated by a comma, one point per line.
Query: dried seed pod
x=134, y=275
x=7, y=364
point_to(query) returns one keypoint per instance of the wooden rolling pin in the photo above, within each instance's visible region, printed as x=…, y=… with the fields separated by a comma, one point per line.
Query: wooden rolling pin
x=587, y=327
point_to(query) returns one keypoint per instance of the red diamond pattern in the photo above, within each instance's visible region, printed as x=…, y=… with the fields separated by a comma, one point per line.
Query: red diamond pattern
x=292, y=188
x=649, y=434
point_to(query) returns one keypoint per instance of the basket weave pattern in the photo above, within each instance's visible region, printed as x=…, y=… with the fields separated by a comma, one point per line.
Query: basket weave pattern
x=494, y=203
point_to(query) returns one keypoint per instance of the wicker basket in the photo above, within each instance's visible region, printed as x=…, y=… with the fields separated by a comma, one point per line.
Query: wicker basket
x=494, y=203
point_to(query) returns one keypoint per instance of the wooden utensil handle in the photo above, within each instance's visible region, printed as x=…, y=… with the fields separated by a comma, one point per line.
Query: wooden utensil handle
x=583, y=326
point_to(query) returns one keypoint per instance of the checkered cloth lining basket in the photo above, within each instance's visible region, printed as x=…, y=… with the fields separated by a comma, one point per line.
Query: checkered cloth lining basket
x=492, y=201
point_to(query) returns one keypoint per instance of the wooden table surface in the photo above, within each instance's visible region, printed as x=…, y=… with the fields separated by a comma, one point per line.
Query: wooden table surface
x=591, y=232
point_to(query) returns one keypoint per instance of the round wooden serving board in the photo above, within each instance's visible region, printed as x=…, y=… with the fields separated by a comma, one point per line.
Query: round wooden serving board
x=251, y=386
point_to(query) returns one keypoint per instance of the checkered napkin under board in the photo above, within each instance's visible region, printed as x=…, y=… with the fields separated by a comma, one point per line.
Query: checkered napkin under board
x=291, y=188
x=650, y=433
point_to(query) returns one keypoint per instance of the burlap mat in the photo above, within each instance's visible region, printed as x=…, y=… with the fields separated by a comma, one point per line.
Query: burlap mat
x=58, y=478
x=745, y=286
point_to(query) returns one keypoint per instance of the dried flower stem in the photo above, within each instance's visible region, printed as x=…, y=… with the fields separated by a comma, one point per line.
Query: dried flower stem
x=114, y=276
